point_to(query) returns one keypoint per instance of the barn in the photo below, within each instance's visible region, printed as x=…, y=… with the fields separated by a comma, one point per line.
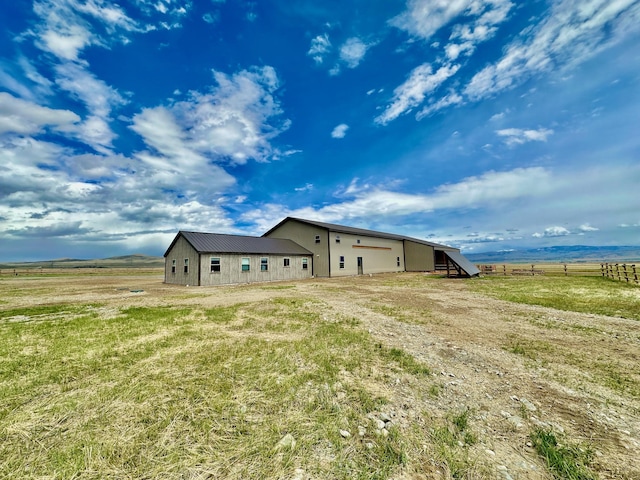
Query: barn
x=196, y=258
x=340, y=250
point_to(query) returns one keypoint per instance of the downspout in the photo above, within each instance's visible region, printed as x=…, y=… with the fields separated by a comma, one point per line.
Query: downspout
x=404, y=254
x=199, y=268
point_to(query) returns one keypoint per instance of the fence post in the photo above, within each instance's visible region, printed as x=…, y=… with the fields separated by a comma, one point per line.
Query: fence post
x=565, y=269
x=635, y=275
x=626, y=277
x=532, y=274
x=618, y=270
x=504, y=270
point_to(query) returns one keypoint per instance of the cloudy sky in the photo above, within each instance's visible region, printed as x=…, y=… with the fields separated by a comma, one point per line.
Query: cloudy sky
x=482, y=124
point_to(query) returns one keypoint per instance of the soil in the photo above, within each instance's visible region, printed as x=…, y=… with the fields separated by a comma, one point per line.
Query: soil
x=513, y=366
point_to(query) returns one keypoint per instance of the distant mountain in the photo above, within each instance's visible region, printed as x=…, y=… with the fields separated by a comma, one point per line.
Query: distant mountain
x=573, y=253
x=123, y=261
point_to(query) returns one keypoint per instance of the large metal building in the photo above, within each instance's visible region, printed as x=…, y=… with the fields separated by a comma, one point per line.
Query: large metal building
x=339, y=250
x=195, y=258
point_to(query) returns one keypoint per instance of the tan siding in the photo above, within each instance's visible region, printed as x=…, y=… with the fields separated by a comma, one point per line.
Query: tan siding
x=379, y=255
x=419, y=257
x=304, y=235
x=181, y=250
x=231, y=269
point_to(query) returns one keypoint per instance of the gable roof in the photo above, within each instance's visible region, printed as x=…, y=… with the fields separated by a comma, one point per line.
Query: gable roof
x=361, y=231
x=222, y=243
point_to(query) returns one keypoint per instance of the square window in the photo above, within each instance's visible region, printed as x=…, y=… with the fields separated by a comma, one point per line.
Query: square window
x=317, y=238
x=215, y=265
x=305, y=266
x=286, y=262
x=246, y=266
x=186, y=265
x=264, y=264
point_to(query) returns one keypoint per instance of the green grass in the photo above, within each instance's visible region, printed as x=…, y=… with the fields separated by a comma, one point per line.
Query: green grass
x=578, y=294
x=185, y=392
x=565, y=460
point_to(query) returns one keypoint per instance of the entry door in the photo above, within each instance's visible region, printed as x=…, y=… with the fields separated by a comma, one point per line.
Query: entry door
x=359, y=265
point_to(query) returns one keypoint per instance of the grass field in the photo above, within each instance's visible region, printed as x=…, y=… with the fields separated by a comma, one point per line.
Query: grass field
x=123, y=377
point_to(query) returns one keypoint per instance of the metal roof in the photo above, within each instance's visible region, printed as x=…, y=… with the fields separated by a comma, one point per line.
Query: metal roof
x=222, y=243
x=462, y=262
x=361, y=231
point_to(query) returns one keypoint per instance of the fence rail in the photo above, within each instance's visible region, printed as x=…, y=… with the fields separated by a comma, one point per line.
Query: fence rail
x=616, y=271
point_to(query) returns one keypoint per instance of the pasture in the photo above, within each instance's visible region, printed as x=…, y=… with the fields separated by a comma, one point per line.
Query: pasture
x=112, y=374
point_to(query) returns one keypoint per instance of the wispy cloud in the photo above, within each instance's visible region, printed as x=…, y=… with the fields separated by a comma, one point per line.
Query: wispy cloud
x=320, y=47
x=353, y=51
x=518, y=136
x=571, y=33
x=340, y=131
x=552, y=232
x=422, y=81
x=24, y=117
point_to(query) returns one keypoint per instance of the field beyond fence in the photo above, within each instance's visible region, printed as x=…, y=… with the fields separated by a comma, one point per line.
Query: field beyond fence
x=616, y=271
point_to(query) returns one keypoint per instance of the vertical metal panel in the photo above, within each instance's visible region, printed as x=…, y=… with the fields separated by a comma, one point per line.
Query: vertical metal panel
x=304, y=235
x=181, y=250
x=231, y=269
x=379, y=255
x=419, y=257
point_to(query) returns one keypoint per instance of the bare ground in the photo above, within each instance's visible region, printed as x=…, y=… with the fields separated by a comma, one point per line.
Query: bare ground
x=513, y=366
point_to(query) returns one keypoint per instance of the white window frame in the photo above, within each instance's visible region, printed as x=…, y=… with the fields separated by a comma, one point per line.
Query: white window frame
x=213, y=265
x=264, y=264
x=245, y=264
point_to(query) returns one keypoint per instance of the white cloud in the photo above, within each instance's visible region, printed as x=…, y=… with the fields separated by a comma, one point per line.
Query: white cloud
x=586, y=227
x=23, y=117
x=552, y=232
x=353, y=51
x=518, y=136
x=412, y=92
x=452, y=98
x=340, y=131
x=320, y=47
x=571, y=33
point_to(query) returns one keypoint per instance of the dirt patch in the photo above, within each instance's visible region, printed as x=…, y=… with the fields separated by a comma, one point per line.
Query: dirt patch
x=514, y=367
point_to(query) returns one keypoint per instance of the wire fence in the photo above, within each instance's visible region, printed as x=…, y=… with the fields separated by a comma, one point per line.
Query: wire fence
x=616, y=271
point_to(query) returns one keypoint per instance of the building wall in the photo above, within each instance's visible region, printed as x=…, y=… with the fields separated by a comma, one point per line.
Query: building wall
x=304, y=235
x=181, y=250
x=379, y=255
x=419, y=257
x=231, y=268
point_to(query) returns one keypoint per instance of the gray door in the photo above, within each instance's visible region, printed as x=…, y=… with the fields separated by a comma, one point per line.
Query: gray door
x=359, y=265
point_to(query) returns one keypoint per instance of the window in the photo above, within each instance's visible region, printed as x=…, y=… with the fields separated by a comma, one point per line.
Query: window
x=186, y=265
x=358, y=241
x=215, y=264
x=398, y=261
x=286, y=262
x=264, y=264
x=337, y=238
x=317, y=238
x=304, y=264
x=173, y=266
x=341, y=261
x=245, y=265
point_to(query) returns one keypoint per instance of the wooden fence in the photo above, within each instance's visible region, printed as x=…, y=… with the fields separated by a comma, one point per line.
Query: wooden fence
x=616, y=271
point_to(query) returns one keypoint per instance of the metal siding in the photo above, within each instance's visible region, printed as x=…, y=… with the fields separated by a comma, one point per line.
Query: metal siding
x=464, y=263
x=377, y=259
x=181, y=249
x=231, y=269
x=304, y=235
x=419, y=257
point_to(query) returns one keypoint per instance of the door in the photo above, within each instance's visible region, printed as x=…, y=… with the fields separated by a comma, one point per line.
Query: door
x=359, y=265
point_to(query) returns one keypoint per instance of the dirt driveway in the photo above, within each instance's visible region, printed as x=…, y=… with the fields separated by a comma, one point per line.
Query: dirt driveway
x=513, y=366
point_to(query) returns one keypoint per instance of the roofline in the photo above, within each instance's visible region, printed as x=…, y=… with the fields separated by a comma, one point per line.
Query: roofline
x=365, y=232
x=182, y=232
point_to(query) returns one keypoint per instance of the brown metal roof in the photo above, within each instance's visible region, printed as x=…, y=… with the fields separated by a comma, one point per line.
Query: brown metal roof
x=222, y=243
x=361, y=231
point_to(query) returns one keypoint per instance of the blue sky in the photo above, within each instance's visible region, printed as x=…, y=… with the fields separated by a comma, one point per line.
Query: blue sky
x=482, y=124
